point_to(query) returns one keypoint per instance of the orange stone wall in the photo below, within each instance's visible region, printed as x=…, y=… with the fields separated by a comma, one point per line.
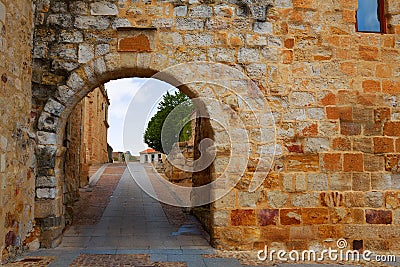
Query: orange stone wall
x=17, y=136
x=96, y=125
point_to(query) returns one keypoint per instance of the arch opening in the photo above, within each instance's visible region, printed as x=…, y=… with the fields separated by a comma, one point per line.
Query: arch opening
x=72, y=178
x=230, y=105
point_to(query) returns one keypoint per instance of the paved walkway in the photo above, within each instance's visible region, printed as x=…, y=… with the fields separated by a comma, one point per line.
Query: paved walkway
x=133, y=231
x=131, y=220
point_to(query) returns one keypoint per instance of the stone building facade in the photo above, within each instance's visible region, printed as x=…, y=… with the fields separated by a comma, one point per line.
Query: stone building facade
x=333, y=95
x=86, y=140
x=17, y=139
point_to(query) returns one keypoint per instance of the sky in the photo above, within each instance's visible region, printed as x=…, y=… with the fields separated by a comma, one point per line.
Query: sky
x=367, y=17
x=133, y=102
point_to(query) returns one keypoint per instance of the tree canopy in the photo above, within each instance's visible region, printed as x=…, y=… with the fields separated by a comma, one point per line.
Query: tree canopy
x=162, y=130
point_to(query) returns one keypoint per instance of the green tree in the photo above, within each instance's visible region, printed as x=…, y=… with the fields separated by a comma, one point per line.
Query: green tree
x=177, y=126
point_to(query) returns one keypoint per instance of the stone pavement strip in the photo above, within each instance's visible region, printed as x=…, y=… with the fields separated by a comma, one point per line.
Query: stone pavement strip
x=132, y=231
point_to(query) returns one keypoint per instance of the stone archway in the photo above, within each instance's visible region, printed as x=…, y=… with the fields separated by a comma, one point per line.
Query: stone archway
x=103, y=40
x=52, y=121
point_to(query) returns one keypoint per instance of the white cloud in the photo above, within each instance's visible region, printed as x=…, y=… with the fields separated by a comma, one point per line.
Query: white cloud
x=121, y=93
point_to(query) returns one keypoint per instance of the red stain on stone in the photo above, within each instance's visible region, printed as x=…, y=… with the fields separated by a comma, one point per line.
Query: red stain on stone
x=10, y=238
x=243, y=217
x=378, y=216
x=139, y=43
x=268, y=217
x=350, y=128
x=294, y=148
x=329, y=99
x=311, y=130
x=4, y=78
x=16, y=191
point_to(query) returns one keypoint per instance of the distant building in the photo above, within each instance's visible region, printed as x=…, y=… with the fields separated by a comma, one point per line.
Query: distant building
x=150, y=155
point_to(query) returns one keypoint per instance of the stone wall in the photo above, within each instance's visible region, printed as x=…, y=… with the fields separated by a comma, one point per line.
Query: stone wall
x=96, y=126
x=333, y=93
x=76, y=169
x=17, y=163
x=181, y=155
x=86, y=141
x=175, y=172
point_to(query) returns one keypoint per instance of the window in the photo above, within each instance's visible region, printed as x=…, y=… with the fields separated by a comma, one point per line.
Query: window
x=371, y=16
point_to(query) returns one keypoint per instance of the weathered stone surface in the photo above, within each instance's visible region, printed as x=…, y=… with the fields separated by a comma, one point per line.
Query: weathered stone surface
x=290, y=216
x=47, y=122
x=199, y=39
x=2, y=12
x=91, y=22
x=202, y=11
x=75, y=81
x=64, y=51
x=248, y=55
x=189, y=24
x=46, y=156
x=46, y=193
x=305, y=200
x=247, y=199
x=180, y=11
x=277, y=199
x=392, y=200
x=85, y=53
x=64, y=94
x=54, y=107
x=71, y=37
x=374, y=199
x=226, y=201
x=378, y=216
x=263, y=27
x=17, y=162
x=170, y=38
x=103, y=8
x=119, y=23
x=45, y=181
x=317, y=182
x=221, y=218
x=3, y=163
x=313, y=145
x=3, y=143
x=361, y=182
x=100, y=66
x=102, y=49
x=62, y=20
x=163, y=23
x=243, y=217
x=268, y=217
x=314, y=215
x=46, y=138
